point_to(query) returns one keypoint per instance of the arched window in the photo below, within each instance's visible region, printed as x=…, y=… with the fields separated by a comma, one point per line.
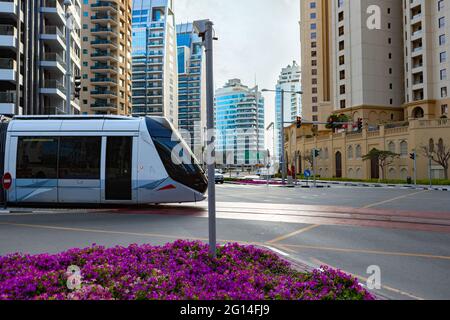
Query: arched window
x=358, y=173
x=350, y=152
x=391, y=146
x=404, y=148
x=431, y=145
x=418, y=113
x=358, y=152
x=403, y=174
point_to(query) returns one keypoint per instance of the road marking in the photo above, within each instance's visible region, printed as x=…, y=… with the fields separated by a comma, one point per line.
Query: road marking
x=387, y=253
x=277, y=251
x=166, y=236
x=393, y=199
x=290, y=235
x=388, y=288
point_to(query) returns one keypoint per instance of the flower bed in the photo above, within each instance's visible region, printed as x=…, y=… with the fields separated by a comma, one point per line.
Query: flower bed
x=181, y=270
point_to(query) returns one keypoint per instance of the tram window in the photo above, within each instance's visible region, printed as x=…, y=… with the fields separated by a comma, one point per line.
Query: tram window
x=37, y=158
x=79, y=158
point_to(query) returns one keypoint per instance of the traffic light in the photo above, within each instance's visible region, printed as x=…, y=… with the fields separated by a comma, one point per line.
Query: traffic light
x=77, y=82
x=299, y=122
x=316, y=153
x=412, y=156
x=360, y=124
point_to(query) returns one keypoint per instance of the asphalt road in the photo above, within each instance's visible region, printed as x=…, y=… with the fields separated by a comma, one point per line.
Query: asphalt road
x=405, y=233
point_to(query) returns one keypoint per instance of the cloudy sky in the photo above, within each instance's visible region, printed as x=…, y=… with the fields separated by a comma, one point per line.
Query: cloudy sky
x=256, y=39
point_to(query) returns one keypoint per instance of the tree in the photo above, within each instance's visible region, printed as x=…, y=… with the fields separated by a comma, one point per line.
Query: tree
x=308, y=158
x=438, y=153
x=384, y=158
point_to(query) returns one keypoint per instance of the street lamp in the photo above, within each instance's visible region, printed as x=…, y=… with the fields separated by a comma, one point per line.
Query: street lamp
x=282, y=156
x=204, y=28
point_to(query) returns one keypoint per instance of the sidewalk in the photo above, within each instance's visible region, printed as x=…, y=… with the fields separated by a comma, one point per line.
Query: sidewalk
x=328, y=184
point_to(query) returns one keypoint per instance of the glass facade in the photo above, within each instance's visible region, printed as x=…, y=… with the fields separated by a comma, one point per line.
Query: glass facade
x=239, y=121
x=191, y=87
x=154, y=59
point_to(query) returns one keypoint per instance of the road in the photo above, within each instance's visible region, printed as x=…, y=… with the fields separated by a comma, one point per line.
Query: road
x=404, y=232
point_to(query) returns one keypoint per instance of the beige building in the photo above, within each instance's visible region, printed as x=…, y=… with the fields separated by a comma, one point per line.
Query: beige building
x=315, y=18
x=106, y=57
x=393, y=77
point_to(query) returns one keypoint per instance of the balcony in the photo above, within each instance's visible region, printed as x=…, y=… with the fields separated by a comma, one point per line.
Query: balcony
x=9, y=9
x=104, y=19
x=53, y=61
x=103, y=31
x=53, y=12
x=54, y=37
x=103, y=43
x=7, y=102
x=103, y=55
x=104, y=80
x=103, y=93
x=8, y=37
x=104, y=106
x=102, y=68
x=8, y=69
x=103, y=6
x=54, y=88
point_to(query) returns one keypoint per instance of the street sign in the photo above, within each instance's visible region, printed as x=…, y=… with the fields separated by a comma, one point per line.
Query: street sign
x=307, y=174
x=7, y=181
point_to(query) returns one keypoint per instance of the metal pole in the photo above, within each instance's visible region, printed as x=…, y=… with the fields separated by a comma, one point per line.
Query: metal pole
x=429, y=171
x=283, y=164
x=68, y=62
x=210, y=127
x=314, y=167
x=415, y=168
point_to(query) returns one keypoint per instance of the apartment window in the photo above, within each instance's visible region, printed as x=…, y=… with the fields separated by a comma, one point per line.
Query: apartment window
x=443, y=74
x=444, y=92
x=315, y=118
x=314, y=72
x=342, y=104
x=389, y=10
x=440, y=5
x=313, y=44
x=341, y=31
x=314, y=90
x=441, y=22
x=340, y=3
x=312, y=5
x=313, y=35
x=85, y=64
x=341, y=60
x=85, y=76
x=85, y=51
x=85, y=26
x=85, y=39
x=444, y=109
x=313, y=53
x=342, y=74
x=313, y=26
x=341, y=16
x=389, y=25
x=314, y=63
x=341, y=45
x=443, y=57
x=391, y=101
x=313, y=15
x=314, y=99
x=314, y=81
x=442, y=39
x=342, y=89
x=389, y=40
x=390, y=70
x=390, y=86
x=85, y=14
x=315, y=109
x=390, y=56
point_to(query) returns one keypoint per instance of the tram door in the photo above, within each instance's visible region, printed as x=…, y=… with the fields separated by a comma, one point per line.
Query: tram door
x=119, y=152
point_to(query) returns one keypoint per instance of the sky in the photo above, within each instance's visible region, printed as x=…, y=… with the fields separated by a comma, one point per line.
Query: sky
x=256, y=39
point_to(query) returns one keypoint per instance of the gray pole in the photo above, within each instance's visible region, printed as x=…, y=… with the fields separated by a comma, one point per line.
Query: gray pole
x=68, y=57
x=415, y=168
x=210, y=127
x=283, y=164
x=430, y=175
x=314, y=167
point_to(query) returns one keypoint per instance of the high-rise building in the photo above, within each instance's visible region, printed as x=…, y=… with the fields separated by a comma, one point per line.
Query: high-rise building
x=289, y=82
x=154, y=53
x=106, y=57
x=239, y=123
x=368, y=72
x=191, y=87
x=388, y=73
x=33, y=56
x=315, y=22
x=427, y=45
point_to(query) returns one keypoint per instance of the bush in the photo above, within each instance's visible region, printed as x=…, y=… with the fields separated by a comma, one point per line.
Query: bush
x=178, y=271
